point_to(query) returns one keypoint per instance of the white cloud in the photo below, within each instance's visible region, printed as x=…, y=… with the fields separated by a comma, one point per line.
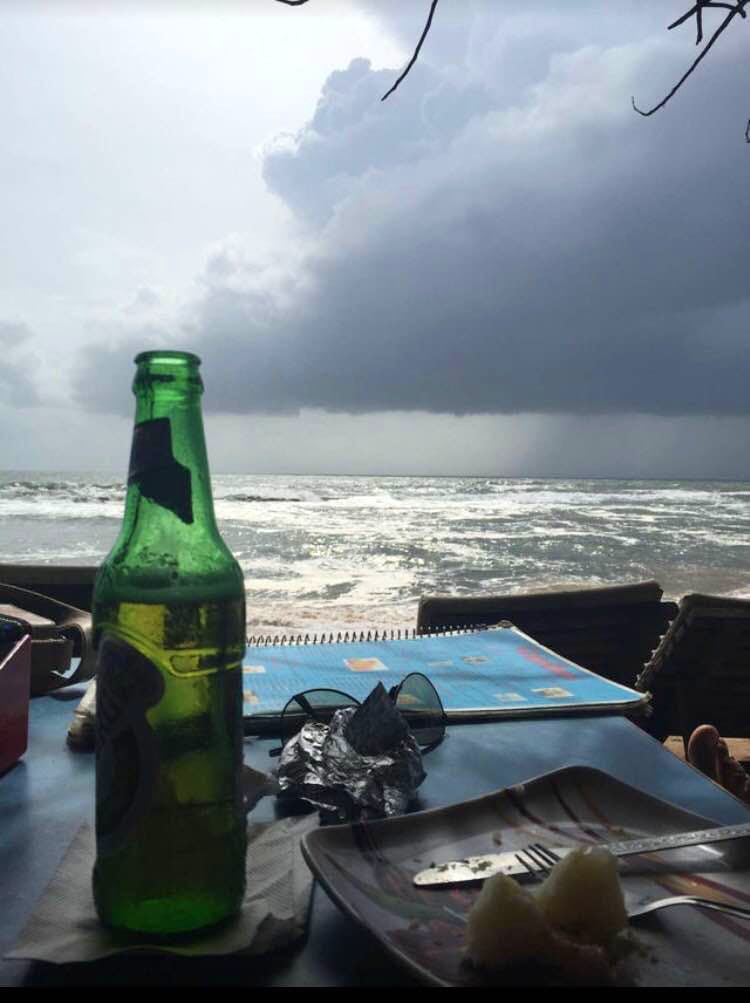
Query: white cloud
x=503, y=237
x=18, y=366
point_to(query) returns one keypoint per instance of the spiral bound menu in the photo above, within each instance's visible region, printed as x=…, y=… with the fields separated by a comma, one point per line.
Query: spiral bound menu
x=354, y=636
x=480, y=673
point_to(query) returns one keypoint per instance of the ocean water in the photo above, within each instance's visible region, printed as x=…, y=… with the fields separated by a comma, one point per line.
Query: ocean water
x=357, y=553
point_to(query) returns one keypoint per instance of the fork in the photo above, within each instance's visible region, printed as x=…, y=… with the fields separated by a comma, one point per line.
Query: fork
x=729, y=910
x=539, y=860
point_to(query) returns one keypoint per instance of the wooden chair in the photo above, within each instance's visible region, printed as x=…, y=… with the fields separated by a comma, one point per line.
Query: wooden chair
x=700, y=672
x=612, y=631
x=59, y=632
x=71, y=584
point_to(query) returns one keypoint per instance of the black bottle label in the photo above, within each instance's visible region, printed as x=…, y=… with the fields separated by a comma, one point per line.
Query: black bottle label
x=153, y=467
x=127, y=754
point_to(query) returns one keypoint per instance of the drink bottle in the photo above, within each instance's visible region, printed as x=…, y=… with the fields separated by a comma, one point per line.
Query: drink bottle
x=169, y=629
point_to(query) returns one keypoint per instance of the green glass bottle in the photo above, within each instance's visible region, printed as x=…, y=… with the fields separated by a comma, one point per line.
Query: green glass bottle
x=169, y=626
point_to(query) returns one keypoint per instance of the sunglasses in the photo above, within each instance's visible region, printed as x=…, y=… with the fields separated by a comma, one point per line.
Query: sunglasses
x=414, y=697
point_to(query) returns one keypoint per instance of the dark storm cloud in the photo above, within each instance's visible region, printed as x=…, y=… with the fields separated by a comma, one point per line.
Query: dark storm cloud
x=477, y=250
x=353, y=134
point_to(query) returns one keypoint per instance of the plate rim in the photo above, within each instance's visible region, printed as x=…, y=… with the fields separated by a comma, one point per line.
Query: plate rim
x=310, y=839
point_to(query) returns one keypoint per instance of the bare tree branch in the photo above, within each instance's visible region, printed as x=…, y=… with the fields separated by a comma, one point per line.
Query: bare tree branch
x=698, y=11
x=734, y=9
x=413, y=59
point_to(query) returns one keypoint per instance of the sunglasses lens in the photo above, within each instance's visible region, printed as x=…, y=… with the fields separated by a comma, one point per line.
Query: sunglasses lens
x=318, y=705
x=418, y=700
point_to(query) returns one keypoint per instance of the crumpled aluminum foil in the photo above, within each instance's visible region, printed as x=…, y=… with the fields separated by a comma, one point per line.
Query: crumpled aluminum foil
x=364, y=764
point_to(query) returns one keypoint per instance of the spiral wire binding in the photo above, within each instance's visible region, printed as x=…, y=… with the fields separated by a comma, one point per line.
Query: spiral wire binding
x=360, y=637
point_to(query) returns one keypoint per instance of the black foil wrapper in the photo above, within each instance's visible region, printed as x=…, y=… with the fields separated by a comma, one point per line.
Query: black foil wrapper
x=364, y=764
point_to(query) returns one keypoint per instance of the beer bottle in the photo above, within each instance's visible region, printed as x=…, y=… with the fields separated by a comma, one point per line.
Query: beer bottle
x=169, y=626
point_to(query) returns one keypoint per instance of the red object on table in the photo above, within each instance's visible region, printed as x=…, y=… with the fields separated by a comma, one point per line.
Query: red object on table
x=15, y=684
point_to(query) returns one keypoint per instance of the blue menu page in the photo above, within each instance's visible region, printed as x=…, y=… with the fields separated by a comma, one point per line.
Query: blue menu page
x=486, y=673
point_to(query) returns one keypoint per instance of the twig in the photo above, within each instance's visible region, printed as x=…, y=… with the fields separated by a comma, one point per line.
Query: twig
x=697, y=10
x=413, y=59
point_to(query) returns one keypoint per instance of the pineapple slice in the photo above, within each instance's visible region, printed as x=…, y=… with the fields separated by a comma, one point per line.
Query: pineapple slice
x=505, y=925
x=582, y=896
x=568, y=922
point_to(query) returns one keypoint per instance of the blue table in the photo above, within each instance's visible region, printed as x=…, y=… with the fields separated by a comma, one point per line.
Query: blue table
x=46, y=797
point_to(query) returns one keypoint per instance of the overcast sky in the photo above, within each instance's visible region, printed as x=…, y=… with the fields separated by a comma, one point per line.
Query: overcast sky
x=502, y=269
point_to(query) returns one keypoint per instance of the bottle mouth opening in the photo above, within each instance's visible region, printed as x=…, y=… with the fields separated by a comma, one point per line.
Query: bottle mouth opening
x=167, y=357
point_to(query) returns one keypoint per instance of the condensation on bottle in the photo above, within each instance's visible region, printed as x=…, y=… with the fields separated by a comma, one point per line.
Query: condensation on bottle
x=169, y=627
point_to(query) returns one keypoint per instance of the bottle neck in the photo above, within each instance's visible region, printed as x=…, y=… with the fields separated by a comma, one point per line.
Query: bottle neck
x=169, y=507
x=168, y=478
x=169, y=548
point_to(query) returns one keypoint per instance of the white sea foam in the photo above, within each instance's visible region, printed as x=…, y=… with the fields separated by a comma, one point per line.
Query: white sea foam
x=359, y=552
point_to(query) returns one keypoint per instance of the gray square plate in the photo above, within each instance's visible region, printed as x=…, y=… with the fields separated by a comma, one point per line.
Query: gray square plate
x=367, y=869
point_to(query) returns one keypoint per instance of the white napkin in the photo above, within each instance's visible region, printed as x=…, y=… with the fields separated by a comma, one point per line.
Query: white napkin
x=64, y=927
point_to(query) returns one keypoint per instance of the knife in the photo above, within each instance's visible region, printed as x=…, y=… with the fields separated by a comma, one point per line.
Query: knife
x=477, y=868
